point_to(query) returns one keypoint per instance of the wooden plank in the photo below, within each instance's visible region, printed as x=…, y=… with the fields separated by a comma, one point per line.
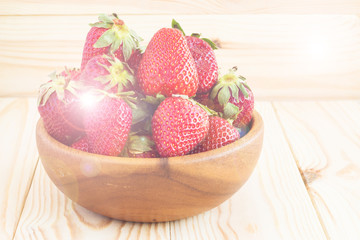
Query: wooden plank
x=18, y=159
x=48, y=214
x=273, y=204
x=283, y=56
x=22, y=7
x=325, y=139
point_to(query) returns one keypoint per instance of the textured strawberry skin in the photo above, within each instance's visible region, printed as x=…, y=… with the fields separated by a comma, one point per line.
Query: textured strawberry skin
x=107, y=126
x=178, y=125
x=73, y=74
x=93, y=69
x=167, y=66
x=81, y=144
x=134, y=60
x=107, y=73
x=90, y=51
x=62, y=119
x=221, y=133
x=205, y=61
x=247, y=106
x=205, y=99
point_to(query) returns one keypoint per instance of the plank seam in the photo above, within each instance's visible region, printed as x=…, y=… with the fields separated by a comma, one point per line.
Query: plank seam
x=300, y=171
x=25, y=199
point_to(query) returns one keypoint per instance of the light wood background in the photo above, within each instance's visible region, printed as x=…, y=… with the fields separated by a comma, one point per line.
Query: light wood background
x=302, y=59
x=284, y=56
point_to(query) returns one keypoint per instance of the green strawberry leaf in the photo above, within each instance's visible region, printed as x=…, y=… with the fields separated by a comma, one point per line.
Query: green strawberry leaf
x=52, y=76
x=106, y=39
x=208, y=110
x=141, y=111
x=128, y=46
x=243, y=90
x=242, y=78
x=247, y=85
x=116, y=44
x=196, y=35
x=224, y=95
x=106, y=18
x=154, y=100
x=211, y=43
x=135, y=35
x=140, y=144
x=176, y=25
x=215, y=90
x=231, y=111
x=101, y=25
x=234, y=91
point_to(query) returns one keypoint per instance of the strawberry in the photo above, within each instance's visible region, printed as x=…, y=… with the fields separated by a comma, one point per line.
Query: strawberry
x=134, y=60
x=72, y=74
x=109, y=35
x=221, y=133
x=59, y=106
x=107, y=124
x=108, y=73
x=205, y=100
x=206, y=65
x=81, y=144
x=236, y=97
x=141, y=146
x=178, y=125
x=167, y=66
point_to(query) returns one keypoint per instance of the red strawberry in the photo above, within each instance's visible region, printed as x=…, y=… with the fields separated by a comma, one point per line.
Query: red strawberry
x=141, y=147
x=206, y=65
x=134, y=60
x=108, y=73
x=59, y=106
x=81, y=144
x=236, y=97
x=178, y=125
x=167, y=66
x=107, y=124
x=73, y=74
x=205, y=100
x=109, y=35
x=221, y=133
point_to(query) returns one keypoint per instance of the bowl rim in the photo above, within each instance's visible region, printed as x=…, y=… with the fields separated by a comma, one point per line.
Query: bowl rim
x=257, y=127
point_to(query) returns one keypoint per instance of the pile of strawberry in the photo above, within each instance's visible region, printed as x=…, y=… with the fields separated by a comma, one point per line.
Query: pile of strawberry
x=167, y=100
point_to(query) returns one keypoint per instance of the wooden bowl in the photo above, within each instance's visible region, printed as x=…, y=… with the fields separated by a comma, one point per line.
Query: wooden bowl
x=151, y=189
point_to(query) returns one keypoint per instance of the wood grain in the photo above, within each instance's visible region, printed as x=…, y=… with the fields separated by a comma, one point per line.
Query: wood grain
x=325, y=140
x=151, y=189
x=282, y=56
x=18, y=159
x=22, y=7
x=273, y=204
x=48, y=214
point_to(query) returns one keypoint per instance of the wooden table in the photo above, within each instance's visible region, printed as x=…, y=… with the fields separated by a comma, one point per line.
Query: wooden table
x=305, y=73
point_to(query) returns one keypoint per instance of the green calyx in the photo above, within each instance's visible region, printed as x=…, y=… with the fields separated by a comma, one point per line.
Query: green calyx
x=57, y=84
x=229, y=85
x=176, y=25
x=117, y=34
x=209, y=111
x=139, y=144
x=129, y=97
x=120, y=74
x=231, y=112
x=154, y=100
x=143, y=110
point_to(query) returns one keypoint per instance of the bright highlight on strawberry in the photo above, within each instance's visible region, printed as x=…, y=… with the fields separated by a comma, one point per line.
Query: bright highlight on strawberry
x=164, y=100
x=88, y=100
